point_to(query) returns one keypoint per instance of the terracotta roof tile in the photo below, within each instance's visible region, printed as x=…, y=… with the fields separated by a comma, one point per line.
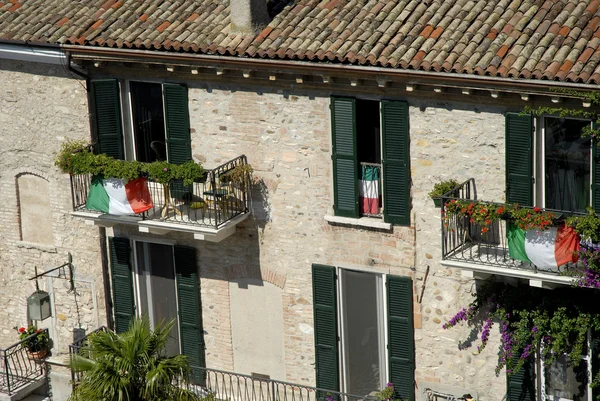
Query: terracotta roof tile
x=539, y=39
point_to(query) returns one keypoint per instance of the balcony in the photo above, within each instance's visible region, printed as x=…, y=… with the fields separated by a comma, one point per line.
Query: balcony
x=21, y=372
x=212, y=384
x=210, y=208
x=482, y=250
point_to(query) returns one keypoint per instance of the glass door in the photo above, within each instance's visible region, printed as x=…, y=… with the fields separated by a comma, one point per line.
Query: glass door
x=156, y=289
x=362, y=328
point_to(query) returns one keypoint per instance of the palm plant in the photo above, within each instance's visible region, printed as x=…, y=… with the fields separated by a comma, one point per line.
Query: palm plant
x=130, y=366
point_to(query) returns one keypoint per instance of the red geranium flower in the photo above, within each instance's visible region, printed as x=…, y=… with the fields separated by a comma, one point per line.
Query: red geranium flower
x=22, y=330
x=536, y=209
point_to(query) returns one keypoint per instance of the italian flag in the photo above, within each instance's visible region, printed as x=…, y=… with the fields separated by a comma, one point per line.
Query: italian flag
x=545, y=249
x=369, y=190
x=119, y=197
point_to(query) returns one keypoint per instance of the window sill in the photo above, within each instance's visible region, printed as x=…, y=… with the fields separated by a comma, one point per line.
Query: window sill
x=367, y=222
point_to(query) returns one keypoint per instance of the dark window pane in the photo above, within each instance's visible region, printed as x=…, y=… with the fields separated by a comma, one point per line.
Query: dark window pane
x=148, y=121
x=567, y=165
x=368, y=150
x=361, y=330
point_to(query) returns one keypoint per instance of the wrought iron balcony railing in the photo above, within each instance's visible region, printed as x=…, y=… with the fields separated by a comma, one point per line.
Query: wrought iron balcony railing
x=19, y=367
x=466, y=241
x=210, y=202
x=212, y=384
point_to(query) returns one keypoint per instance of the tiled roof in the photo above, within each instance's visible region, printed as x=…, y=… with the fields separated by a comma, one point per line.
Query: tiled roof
x=532, y=39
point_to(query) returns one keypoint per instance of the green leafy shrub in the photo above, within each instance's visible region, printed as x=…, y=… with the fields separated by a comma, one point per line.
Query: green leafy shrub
x=76, y=157
x=442, y=188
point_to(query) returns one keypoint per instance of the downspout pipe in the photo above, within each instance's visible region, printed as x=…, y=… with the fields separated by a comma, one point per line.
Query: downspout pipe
x=74, y=71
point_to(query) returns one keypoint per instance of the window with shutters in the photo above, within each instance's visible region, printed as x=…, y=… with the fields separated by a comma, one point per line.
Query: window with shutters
x=160, y=281
x=370, y=159
x=143, y=121
x=372, y=342
x=550, y=163
x=564, y=162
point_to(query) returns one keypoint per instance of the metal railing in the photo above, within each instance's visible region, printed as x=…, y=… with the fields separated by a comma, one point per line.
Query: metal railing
x=466, y=241
x=433, y=395
x=20, y=367
x=75, y=349
x=370, y=189
x=212, y=201
x=229, y=386
x=219, y=385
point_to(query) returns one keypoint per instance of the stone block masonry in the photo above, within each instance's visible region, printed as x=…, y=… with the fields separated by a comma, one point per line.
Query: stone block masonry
x=40, y=107
x=288, y=141
x=287, y=138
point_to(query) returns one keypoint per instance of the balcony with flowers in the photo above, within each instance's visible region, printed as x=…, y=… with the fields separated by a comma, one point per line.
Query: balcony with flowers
x=157, y=197
x=545, y=247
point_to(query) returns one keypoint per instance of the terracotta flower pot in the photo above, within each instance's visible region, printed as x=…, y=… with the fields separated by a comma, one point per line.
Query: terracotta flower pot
x=37, y=355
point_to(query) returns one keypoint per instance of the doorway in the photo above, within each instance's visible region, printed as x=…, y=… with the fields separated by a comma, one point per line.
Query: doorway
x=362, y=331
x=156, y=288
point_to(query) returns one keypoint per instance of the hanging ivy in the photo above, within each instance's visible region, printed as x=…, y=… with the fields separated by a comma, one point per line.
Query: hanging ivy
x=531, y=320
x=563, y=112
x=76, y=157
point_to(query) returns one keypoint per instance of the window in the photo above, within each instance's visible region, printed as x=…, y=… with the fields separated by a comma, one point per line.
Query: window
x=370, y=159
x=362, y=329
x=553, y=166
x=155, y=288
x=141, y=121
x=149, y=278
x=561, y=380
x=374, y=341
x=147, y=122
x=566, y=165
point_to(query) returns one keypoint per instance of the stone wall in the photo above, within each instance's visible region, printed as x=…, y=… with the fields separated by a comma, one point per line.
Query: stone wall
x=461, y=142
x=287, y=138
x=40, y=107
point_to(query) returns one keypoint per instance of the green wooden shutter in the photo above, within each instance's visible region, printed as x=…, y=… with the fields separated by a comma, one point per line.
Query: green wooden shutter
x=345, y=170
x=401, y=341
x=179, y=141
x=595, y=361
x=190, y=313
x=107, y=128
x=519, y=159
x=595, y=172
x=521, y=385
x=396, y=162
x=326, y=330
x=122, y=282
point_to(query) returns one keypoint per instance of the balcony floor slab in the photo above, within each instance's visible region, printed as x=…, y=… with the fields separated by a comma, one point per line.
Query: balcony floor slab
x=160, y=227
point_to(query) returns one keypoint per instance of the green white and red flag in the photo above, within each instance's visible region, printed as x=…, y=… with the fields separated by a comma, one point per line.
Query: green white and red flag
x=549, y=248
x=119, y=197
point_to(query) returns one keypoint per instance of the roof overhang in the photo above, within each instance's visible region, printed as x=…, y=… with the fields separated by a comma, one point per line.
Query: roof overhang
x=329, y=71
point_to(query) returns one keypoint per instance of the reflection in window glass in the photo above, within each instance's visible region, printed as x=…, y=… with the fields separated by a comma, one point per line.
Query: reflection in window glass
x=567, y=165
x=562, y=382
x=362, y=331
x=148, y=121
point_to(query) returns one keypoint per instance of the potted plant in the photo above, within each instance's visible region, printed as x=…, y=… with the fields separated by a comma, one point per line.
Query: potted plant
x=440, y=189
x=36, y=341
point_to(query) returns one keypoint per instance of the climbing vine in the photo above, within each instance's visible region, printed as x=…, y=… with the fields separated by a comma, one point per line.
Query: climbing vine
x=532, y=320
x=593, y=98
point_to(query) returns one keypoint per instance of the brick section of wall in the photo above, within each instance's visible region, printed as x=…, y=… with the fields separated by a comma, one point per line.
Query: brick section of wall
x=40, y=107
